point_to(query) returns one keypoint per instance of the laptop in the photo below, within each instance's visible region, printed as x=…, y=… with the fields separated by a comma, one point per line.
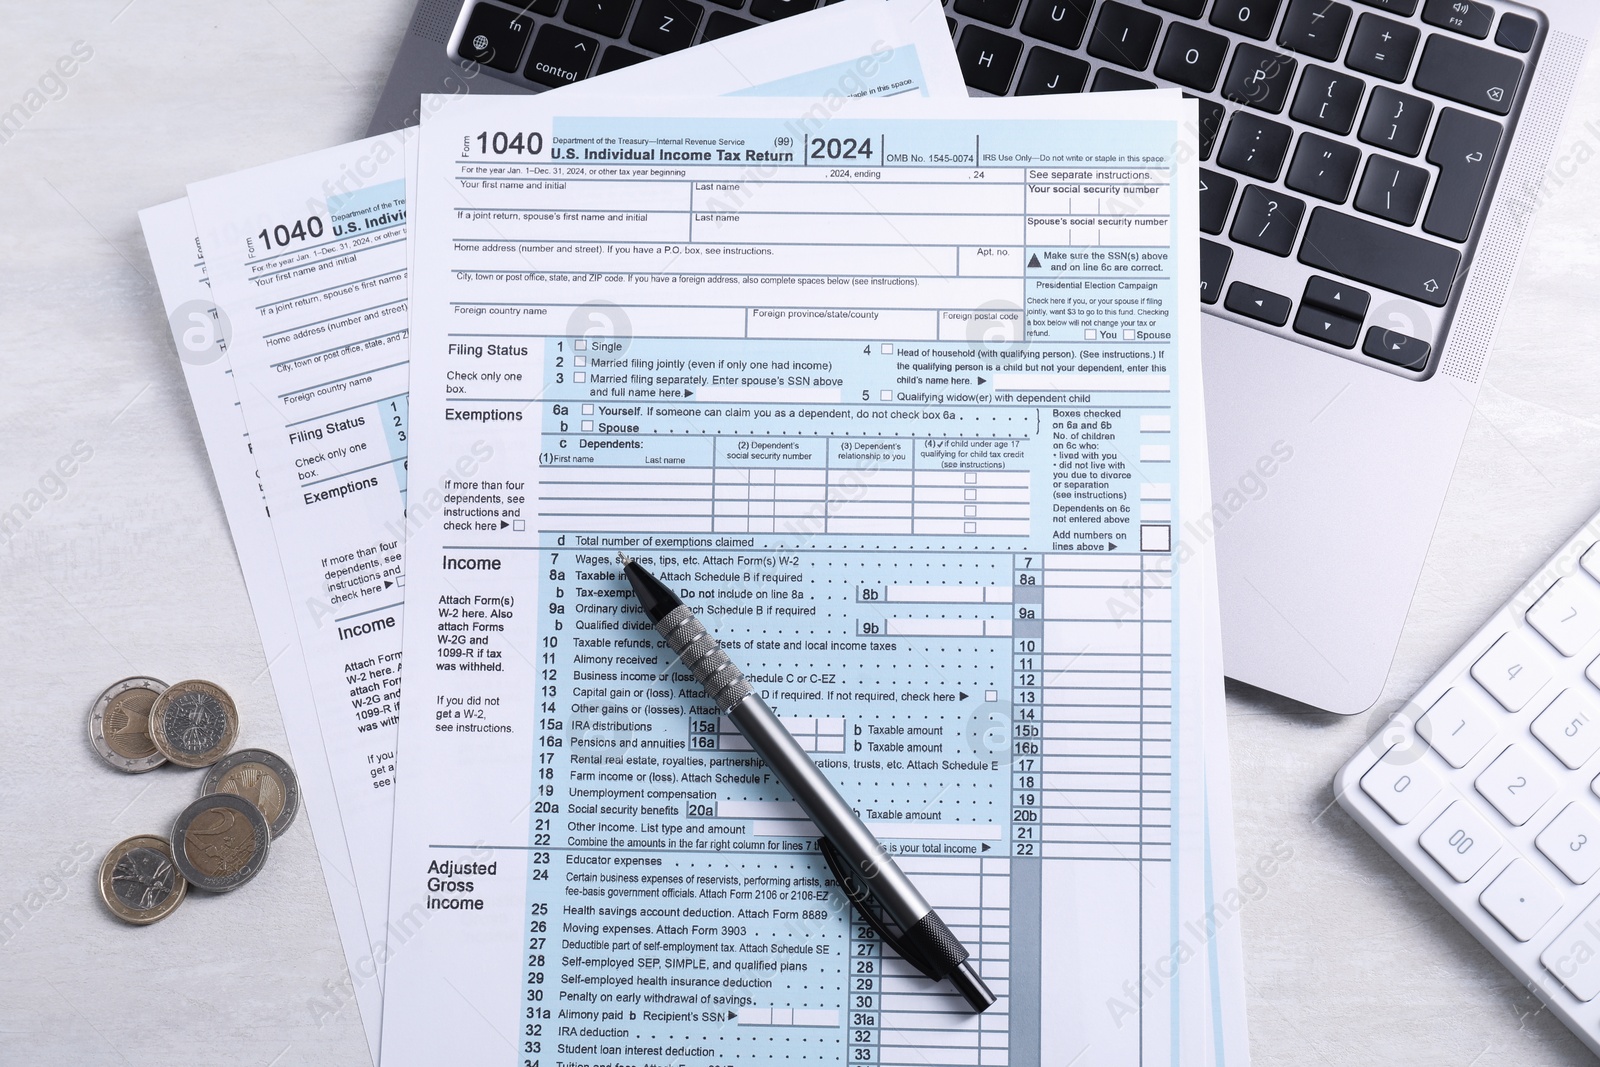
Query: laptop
x=1369, y=168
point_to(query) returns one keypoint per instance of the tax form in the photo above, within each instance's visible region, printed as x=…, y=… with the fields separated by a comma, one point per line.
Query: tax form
x=905, y=402
x=312, y=274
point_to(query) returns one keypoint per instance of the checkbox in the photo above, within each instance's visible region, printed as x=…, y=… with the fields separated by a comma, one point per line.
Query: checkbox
x=970, y=478
x=518, y=525
x=580, y=345
x=887, y=394
x=580, y=361
x=579, y=376
x=971, y=511
x=1089, y=335
x=1155, y=537
x=588, y=409
x=969, y=494
x=990, y=696
x=1129, y=335
x=588, y=424
x=969, y=527
x=887, y=349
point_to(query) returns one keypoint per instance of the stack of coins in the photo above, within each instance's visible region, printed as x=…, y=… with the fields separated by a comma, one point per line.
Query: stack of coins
x=247, y=798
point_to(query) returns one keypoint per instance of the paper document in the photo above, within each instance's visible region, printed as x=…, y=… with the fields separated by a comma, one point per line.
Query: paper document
x=312, y=273
x=897, y=398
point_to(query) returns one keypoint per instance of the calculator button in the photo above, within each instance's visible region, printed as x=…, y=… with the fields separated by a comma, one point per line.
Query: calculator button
x=1521, y=899
x=1572, y=843
x=1570, y=727
x=1568, y=614
x=1516, y=785
x=1401, y=783
x=1461, y=841
x=1511, y=671
x=1574, y=956
x=1457, y=727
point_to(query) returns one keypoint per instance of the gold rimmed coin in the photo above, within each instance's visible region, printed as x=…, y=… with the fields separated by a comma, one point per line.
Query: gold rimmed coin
x=139, y=881
x=194, y=723
x=220, y=841
x=119, y=724
x=262, y=778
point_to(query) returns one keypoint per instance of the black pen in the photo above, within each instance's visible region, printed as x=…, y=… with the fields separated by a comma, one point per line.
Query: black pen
x=866, y=872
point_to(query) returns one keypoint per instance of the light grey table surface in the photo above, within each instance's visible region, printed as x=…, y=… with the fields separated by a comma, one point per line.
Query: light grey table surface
x=126, y=567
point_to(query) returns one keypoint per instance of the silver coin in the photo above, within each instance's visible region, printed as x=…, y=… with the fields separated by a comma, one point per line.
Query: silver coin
x=119, y=724
x=262, y=778
x=220, y=842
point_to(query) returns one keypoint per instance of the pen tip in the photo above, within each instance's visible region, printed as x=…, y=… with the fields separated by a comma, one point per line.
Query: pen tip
x=623, y=558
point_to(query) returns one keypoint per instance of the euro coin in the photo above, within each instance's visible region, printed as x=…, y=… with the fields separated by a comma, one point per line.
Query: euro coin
x=194, y=723
x=262, y=778
x=119, y=724
x=220, y=841
x=139, y=882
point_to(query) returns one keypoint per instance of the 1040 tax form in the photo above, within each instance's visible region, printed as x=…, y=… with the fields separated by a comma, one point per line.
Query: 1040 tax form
x=904, y=399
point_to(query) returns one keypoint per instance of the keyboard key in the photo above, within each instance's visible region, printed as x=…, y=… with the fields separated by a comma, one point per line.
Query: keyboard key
x=1211, y=116
x=1124, y=35
x=773, y=10
x=495, y=37
x=1398, y=7
x=1216, y=197
x=1468, y=74
x=1463, y=149
x=1267, y=220
x=1259, y=78
x=1512, y=671
x=1061, y=22
x=1192, y=57
x=1516, y=784
x=1516, y=32
x=1591, y=561
x=1402, y=783
x=1568, y=615
x=1396, y=121
x=1522, y=899
x=1327, y=99
x=559, y=56
x=987, y=59
x=1190, y=8
x=1214, y=260
x=1111, y=80
x=1382, y=47
x=1253, y=18
x=1392, y=190
x=994, y=12
x=1315, y=28
x=1460, y=841
x=1463, y=16
x=1391, y=346
x=1377, y=255
x=1327, y=326
x=1259, y=304
x=1048, y=71
x=722, y=24
x=1336, y=296
x=1570, y=727
x=616, y=57
x=1457, y=727
x=665, y=25
x=1572, y=843
x=605, y=17
x=1574, y=956
x=1254, y=146
x=1324, y=168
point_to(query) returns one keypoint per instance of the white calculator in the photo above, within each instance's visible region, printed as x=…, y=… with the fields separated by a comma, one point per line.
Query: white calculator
x=1486, y=786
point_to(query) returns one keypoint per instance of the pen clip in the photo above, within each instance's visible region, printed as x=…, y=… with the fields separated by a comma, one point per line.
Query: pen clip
x=866, y=904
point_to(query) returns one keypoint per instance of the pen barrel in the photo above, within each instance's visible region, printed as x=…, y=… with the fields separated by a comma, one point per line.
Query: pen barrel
x=866, y=859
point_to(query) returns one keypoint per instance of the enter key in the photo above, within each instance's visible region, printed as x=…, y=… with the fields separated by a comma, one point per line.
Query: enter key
x=1463, y=149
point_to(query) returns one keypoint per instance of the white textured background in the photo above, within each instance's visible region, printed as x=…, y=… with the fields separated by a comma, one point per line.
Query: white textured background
x=130, y=570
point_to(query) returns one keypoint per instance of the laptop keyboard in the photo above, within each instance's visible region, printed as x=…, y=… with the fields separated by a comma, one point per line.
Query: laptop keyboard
x=1348, y=148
